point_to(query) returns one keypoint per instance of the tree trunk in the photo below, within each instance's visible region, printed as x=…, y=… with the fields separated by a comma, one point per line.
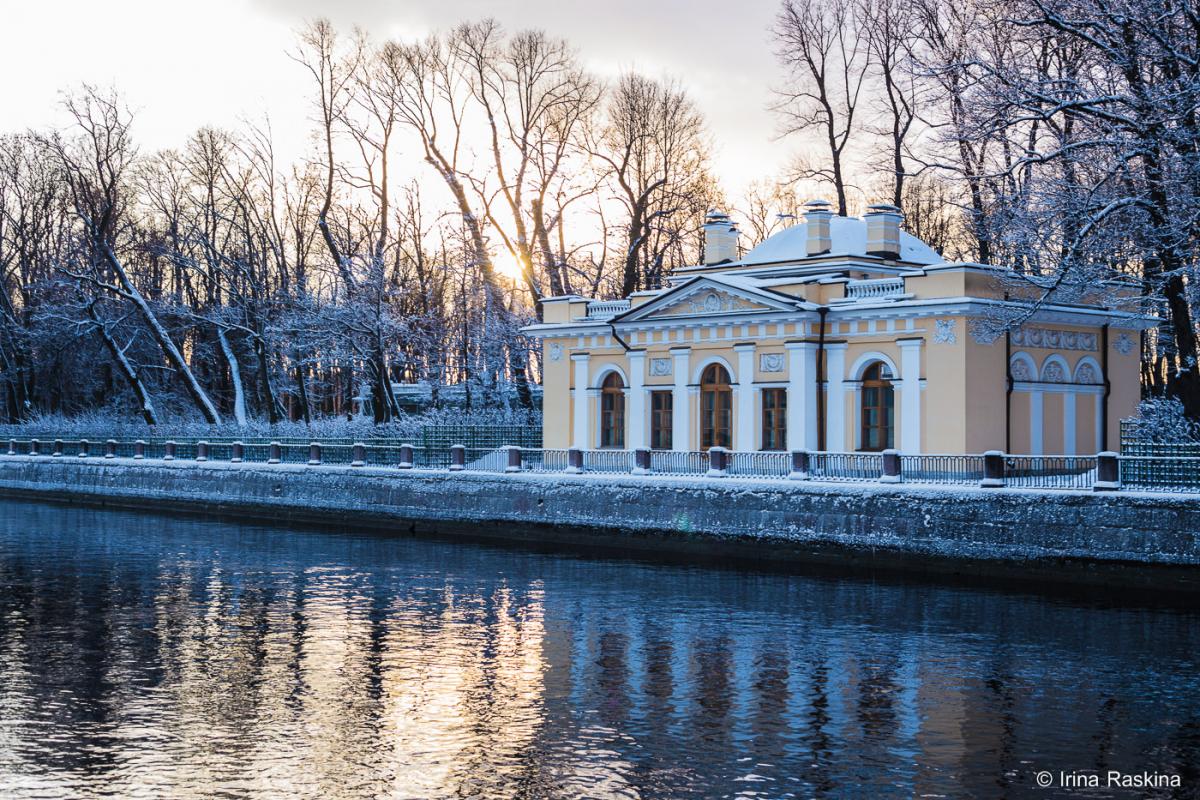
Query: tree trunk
x=235, y=376
x=176, y=359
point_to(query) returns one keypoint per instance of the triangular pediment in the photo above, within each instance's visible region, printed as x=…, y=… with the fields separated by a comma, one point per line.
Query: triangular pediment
x=706, y=297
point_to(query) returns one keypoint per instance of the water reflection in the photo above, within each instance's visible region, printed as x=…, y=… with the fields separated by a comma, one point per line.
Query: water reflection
x=148, y=657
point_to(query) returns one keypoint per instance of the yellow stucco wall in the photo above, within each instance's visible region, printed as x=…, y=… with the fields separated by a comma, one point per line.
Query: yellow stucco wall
x=963, y=403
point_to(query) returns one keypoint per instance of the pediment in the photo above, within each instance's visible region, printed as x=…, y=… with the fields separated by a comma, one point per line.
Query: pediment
x=704, y=298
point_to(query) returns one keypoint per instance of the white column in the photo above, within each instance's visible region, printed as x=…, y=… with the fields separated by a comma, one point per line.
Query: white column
x=910, y=395
x=1099, y=440
x=1069, y=423
x=1035, y=422
x=743, y=437
x=635, y=409
x=579, y=433
x=835, y=397
x=802, y=396
x=680, y=425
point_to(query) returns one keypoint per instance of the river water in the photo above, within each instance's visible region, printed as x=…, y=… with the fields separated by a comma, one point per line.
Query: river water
x=147, y=656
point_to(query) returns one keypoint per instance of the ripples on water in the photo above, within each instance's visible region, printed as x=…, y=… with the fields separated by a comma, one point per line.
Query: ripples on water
x=151, y=657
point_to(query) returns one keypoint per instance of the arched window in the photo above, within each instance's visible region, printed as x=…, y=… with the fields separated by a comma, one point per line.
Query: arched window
x=716, y=408
x=878, y=408
x=612, y=412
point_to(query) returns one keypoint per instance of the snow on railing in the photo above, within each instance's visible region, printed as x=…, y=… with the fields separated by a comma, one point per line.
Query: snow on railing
x=1105, y=471
x=875, y=289
x=606, y=309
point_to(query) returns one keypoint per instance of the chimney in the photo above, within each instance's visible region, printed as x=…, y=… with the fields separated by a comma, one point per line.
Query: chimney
x=720, y=238
x=816, y=220
x=883, y=230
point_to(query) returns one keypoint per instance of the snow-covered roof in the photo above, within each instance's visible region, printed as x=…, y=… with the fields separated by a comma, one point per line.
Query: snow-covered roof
x=849, y=237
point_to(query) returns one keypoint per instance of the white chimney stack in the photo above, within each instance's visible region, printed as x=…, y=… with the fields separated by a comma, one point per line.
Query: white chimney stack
x=883, y=230
x=816, y=219
x=720, y=238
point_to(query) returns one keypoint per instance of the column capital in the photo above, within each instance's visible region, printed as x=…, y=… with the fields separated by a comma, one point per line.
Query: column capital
x=916, y=341
x=580, y=356
x=680, y=351
x=744, y=347
x=632, y=354
x=801, y=345
x=836, y=345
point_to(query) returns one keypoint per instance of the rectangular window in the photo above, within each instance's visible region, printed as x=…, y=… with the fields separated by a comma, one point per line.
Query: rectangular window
x=661, y=422
x=774, y=419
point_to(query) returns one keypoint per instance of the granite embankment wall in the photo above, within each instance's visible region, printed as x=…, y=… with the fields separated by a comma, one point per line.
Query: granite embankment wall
x=1133, y=540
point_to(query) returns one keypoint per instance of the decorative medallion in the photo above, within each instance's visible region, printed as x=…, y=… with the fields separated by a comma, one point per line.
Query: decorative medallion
x=1020, y=370
x=556, y=352
x=660, y=367
x=771, y=362
x=1053, y=339
x=944, y=332
x=1123, y=344
x=1053, y=372
x=1086, y=373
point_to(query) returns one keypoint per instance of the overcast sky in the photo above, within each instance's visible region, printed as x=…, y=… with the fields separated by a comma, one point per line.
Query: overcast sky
x=181, y=64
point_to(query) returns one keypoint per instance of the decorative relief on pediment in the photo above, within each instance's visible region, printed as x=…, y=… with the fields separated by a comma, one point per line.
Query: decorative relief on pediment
x=1052, y=339
x=660, y=367
x=771, y=362
x=1123, y=344
x=709, y=301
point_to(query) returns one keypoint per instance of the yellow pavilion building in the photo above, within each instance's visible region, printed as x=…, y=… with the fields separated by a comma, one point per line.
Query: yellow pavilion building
x=836, y=334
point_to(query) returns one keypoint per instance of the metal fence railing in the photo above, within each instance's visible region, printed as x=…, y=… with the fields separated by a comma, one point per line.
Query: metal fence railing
x=1107, y=471
x=1161, y=473
x=965, y=470
x=1050, y=472
x=846, y=466
x=678, y=462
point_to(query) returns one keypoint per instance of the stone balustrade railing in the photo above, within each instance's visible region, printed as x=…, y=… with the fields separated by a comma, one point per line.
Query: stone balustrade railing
x=606, y=309
x=878, y=288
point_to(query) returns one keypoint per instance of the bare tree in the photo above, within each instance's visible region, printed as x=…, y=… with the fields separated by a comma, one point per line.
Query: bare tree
x=95, y=170
x=824, y=47
x=654, y=145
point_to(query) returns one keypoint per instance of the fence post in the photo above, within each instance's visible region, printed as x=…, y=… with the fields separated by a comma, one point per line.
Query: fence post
x=202, y=451
x=58, y=448
x=406, y=456
x=314, y=454
x=718, y=462
x=12, y=447
x=169, y=451
x=110, y=448
x=891, y=467
x=85, y=448
x=139, y=449
x=1108, y=472
x=799, y=466
x=574, y=461
x=641, y=461
x=458, y=457
x=237, y=452
x=993, y=470
x=514, y=458
x=275, y=454
x=359, y=458
x=35, y=447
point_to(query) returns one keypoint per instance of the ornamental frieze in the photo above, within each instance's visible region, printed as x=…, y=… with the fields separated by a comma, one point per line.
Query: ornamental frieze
x=1050, y=338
